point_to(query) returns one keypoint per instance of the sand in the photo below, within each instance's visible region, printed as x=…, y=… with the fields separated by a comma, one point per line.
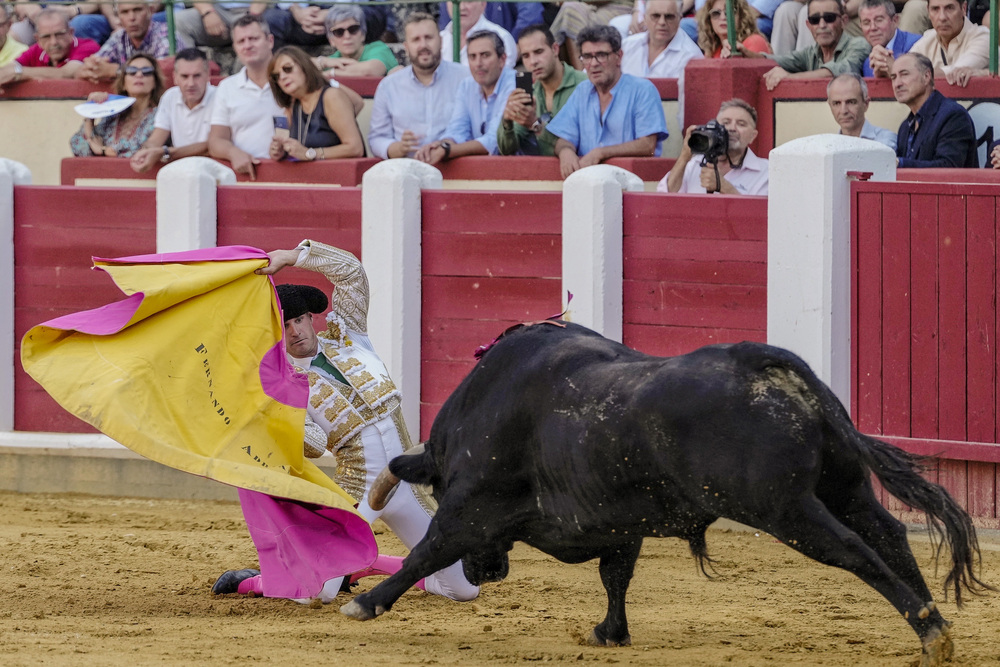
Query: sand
x=124, y=581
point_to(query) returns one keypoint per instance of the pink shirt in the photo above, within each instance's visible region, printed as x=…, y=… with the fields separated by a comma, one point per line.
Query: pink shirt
x=35, y=56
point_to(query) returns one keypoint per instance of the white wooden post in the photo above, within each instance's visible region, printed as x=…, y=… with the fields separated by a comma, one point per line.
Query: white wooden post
x=808, y=248
x=11, y=173
x=186, y=210
x=391, y=226
x=592, y=245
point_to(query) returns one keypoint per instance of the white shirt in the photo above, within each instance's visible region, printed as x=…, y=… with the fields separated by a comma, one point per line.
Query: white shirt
x=186, y=126
x=748, y=179
x=669, y=64
x=248, y=111
x=509, y=45
x=403, y=103
x=876, y=133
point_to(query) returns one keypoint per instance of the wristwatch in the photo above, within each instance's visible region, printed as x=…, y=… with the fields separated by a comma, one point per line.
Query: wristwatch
x=447, y=149
x=311, y=154
x=165, y=158
x=537, y=126
x=18, y=71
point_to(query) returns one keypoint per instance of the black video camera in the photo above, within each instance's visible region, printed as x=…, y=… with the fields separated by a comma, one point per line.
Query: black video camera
x=711, y=140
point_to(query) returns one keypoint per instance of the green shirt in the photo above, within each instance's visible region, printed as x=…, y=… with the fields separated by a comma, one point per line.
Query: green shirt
x=375, y=51
x=849, y=56
x=516, y=139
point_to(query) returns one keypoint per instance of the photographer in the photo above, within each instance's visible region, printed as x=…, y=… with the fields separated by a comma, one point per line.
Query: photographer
x=737, y=171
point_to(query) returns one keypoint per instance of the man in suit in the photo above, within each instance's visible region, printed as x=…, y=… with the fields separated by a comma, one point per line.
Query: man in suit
x=939, y=131
x=880, y=25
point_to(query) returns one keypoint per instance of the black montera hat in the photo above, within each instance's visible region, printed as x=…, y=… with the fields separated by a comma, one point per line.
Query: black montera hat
x=297, y=300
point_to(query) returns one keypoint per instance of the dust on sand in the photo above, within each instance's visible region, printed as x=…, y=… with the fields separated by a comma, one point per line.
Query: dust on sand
x=124, y=581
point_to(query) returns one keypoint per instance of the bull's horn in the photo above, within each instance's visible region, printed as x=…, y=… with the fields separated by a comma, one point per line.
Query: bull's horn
x=385, y=484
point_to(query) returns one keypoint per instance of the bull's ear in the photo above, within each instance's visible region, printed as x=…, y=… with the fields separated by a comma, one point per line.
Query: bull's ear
x=415, y=466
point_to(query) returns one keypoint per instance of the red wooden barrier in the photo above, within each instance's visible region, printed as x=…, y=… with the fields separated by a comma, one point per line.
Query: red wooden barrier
x=924, y=327
x=56, y=231
x=695, y=270
x=490, y=260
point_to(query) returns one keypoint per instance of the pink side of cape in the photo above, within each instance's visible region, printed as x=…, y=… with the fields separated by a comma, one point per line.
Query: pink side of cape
x=301, y=546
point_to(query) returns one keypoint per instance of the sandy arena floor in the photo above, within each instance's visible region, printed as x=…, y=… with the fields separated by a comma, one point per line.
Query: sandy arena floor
x=112, y=581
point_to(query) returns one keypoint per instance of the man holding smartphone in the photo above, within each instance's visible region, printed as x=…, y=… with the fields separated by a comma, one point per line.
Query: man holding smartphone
x=532, y=105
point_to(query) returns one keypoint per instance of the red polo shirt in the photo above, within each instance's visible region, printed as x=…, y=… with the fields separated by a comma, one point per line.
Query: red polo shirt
x=35, y=56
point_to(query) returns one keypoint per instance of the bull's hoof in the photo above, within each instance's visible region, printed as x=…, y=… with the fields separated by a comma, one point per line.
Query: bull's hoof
x=594, y=640
x=360, y=612
x=938, y=648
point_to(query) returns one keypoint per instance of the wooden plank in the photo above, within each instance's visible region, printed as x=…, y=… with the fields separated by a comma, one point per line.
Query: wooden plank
x=982, y=489
x=499, y=255
x=696, y=271
x=868, y=278
x=439, y=378
x=954, y=477
x=518, y=299
x=719, y=217
x=669, y=341
x=924, y=316
x=674, y=248
x=895, y=323
x=513, y=212
x=457, y=340
x=952, y=373
x=981, y=317
x=700, y=305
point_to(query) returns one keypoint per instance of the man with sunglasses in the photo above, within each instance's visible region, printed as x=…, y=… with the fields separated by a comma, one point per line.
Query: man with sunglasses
x=345, y=28
x=834, y=52
x=662, y=51
x=308, y=25
x=56, y=53
x=612, y=114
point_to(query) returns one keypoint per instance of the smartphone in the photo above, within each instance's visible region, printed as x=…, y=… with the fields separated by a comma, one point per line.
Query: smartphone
x=523, y=81
x=280, y=126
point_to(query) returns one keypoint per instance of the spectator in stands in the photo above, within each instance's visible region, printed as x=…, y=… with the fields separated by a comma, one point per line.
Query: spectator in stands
x=308, y=25
x=10, y=48
x=760, y=12
x=834, y=52
x=957, y=48
x=183, y=116
x=662, y=51
x=995, y=155
x=88, y=20
x=880, y=25
x=574, y=17
x=56, y=54
x=412, y=106
x=346, y=29
x=321, y=118
x=471, y=21
x=513, y=17
x=138, y=34
x=610, y=115
x=738, y=172
x=847, y=95
x=244, y=108
x=479, y=106
x=207, y=24
x=938, y=132
x=713, y=37
x=522, y=130
x=123, y=134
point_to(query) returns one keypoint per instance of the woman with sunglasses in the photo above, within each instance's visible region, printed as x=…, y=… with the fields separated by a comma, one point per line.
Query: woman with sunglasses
x=713, y=37
x=345, y=28
x=321, y=117
x=123, y=134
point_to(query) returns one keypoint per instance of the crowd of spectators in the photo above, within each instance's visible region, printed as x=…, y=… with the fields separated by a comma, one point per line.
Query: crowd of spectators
x=586, y=97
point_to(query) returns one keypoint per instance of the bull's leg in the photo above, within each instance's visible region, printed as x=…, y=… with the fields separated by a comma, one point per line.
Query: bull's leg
x=812, y=530
x=616, y=570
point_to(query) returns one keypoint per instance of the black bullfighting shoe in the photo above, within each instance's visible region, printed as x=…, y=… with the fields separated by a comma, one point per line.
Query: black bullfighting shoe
x=230, y=580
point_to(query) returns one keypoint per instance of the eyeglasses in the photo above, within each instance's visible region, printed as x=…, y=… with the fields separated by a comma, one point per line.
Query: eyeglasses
x=655, y=18
x=599, y=56
x=143, y=71
x=54, y=35
x=351, y=29
x=716, y=14
x=287, y=69
x=828, y=17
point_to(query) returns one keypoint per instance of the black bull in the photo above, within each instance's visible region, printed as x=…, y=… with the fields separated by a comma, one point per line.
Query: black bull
x=582, y=447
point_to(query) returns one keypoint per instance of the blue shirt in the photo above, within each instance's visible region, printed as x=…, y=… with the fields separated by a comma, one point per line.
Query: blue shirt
x=900, y=43
x=403, y=103
x=477, y=118
x=635, y=112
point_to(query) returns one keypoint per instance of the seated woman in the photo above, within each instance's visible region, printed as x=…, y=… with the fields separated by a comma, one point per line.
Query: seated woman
x=123, y=134
x=345, y=28
x=321, y=117
x=712, y=29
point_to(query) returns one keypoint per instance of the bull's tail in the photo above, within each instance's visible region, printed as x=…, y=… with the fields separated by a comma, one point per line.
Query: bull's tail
x=897, y=470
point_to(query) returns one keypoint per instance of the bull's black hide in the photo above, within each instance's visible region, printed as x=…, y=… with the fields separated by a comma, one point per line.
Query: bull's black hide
x=582, y=447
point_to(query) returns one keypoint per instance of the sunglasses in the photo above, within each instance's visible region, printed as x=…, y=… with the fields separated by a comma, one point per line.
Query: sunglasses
x=144, y=71
x=828, y=17
x=716, y=14
x=351, y=29
x=599, y=56
x=287, y=69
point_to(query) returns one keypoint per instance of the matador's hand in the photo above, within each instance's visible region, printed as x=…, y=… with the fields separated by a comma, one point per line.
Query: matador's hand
x=279, y=260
